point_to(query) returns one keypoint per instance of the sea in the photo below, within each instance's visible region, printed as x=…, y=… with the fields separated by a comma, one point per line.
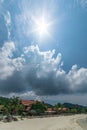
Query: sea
x=83, y=123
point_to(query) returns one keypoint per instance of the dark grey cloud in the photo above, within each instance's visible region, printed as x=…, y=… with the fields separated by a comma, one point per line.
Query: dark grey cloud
x=13, y=84
x=49, y=84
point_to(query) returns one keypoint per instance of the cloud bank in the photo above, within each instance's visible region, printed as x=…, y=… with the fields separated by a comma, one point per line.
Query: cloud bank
x=40, y=71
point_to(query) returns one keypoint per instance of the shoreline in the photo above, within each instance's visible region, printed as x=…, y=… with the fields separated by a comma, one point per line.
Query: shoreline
x=83, y=123
x=46, y=123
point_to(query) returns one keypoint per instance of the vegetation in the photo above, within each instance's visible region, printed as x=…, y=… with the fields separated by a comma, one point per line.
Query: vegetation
x=13, y=106
x=58, y=105
x=4, y=101
x=71, y=108
x=39, y=108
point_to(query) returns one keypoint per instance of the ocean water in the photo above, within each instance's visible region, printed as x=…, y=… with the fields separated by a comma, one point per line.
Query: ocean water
x=83, y=123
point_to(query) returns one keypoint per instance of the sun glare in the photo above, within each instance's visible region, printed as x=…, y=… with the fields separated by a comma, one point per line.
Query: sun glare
x=41, y=27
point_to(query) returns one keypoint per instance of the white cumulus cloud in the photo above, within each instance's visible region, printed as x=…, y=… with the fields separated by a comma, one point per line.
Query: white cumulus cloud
x=8, y=64
x=45, y=75
x=39, y=71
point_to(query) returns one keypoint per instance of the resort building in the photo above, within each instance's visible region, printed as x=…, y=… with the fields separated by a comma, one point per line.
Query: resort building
x=28, y=103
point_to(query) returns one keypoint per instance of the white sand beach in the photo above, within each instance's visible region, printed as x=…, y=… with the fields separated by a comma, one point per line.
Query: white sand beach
x=48, y=123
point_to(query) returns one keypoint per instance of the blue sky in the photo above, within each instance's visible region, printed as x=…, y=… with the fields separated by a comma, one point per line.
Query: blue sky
x=43, y=44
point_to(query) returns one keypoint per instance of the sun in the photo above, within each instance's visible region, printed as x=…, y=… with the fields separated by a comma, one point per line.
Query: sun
x=41, y=26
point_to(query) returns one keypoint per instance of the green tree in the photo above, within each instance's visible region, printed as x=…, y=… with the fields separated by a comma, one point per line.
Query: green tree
x=59, y=105
x=14, y=106
x=74, y=110
x=39, y=107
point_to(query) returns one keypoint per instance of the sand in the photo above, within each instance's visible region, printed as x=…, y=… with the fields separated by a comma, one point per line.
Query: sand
x=49, y=123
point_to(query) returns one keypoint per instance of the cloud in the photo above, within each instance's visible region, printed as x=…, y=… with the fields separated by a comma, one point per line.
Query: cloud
x=13, y=84
x=46, y=76
x=7, y=17
x=77, y=78
x=11, y=79
x=8, y=64
x=39, y=72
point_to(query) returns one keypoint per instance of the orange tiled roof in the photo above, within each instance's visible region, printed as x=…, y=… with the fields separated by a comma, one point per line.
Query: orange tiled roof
x=28, y=102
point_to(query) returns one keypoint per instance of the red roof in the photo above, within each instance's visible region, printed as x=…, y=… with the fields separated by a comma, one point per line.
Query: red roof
x=49, y=109
x=28, y=102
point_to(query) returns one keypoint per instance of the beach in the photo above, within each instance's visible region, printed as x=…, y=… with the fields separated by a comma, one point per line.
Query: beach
x=48, y=123
x=83, y=123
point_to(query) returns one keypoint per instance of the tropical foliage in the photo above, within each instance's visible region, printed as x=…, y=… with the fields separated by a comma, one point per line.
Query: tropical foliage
x=14, y=106
x=39, y=107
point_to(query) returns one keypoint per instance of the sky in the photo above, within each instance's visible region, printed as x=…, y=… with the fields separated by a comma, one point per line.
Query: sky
x=43, y=50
